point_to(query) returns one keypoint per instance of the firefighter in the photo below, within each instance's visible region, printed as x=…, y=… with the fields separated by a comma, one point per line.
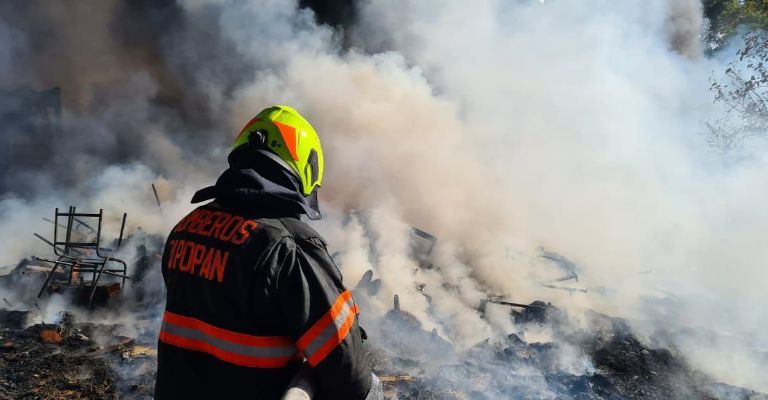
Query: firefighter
x=252, y=293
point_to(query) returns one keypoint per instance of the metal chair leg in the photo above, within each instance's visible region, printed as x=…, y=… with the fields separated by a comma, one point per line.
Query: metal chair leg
x=48, y=279
x=95, y=282
x=125, y=272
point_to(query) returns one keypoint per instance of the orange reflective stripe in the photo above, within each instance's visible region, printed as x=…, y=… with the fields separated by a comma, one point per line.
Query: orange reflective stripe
x=248, y=125
x=233, y=347
x=230, y=336
x=330, y=330
x=289, y=137
x=325, y=320
x=335, y=340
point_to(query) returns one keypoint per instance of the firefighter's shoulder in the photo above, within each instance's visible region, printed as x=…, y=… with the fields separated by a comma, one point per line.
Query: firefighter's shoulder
x=301, y=231
x=314, y=250
x=271, y=230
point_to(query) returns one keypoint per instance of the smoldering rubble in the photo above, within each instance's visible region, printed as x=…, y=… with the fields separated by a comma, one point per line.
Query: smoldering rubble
x=67, y=359
x=57, y=345
x=604, y=362
x=71, y=360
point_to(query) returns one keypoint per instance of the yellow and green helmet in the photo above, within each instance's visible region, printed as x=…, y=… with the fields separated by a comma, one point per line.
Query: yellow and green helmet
x=283, y=132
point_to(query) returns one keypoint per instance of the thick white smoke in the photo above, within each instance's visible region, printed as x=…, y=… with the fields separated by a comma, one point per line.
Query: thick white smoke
x=505, y=126
x=500, y=127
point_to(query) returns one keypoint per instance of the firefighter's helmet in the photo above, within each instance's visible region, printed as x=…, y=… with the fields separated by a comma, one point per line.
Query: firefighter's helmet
x=281, y=131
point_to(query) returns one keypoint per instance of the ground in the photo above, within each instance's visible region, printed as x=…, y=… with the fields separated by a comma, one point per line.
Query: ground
x=76, y=360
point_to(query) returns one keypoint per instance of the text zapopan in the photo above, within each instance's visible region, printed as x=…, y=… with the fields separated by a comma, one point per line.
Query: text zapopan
x=208, y=262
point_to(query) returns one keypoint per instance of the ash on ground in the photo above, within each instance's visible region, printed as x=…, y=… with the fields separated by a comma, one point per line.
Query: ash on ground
x=68, y=357
x=605, y=361
x=72, y=360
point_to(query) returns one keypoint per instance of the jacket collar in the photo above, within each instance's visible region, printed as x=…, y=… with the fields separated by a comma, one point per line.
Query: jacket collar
x=275, y=191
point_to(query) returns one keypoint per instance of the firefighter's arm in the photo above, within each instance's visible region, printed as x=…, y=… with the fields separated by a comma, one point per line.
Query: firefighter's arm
x=323, y=318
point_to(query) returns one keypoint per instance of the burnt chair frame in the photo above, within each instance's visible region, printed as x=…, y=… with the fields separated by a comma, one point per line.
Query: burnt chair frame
x=74, y=255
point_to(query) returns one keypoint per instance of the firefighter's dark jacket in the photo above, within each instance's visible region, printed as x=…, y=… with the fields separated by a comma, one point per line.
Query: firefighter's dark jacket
x=251, y=295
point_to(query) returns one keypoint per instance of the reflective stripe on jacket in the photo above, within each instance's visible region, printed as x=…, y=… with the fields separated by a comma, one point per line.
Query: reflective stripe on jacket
x=232, y=347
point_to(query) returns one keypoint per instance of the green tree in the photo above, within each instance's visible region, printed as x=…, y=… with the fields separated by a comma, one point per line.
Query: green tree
x=743, y=91
x=725, y=16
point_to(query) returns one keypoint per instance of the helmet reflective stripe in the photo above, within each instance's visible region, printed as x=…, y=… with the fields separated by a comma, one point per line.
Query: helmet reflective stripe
x=290, y=137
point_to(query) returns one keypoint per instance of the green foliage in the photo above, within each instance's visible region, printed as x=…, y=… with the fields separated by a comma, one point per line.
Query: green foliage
x=743, y=90
x=725, y=16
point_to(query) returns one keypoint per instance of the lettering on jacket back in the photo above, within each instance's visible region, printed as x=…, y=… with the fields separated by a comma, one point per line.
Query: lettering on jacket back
x=207, y=261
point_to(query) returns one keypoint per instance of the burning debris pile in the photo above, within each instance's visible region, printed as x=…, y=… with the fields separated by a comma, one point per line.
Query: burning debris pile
x=76, y=360
x=72, y=360
x=58, y=335
x=604, y=362
x=548, y=355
